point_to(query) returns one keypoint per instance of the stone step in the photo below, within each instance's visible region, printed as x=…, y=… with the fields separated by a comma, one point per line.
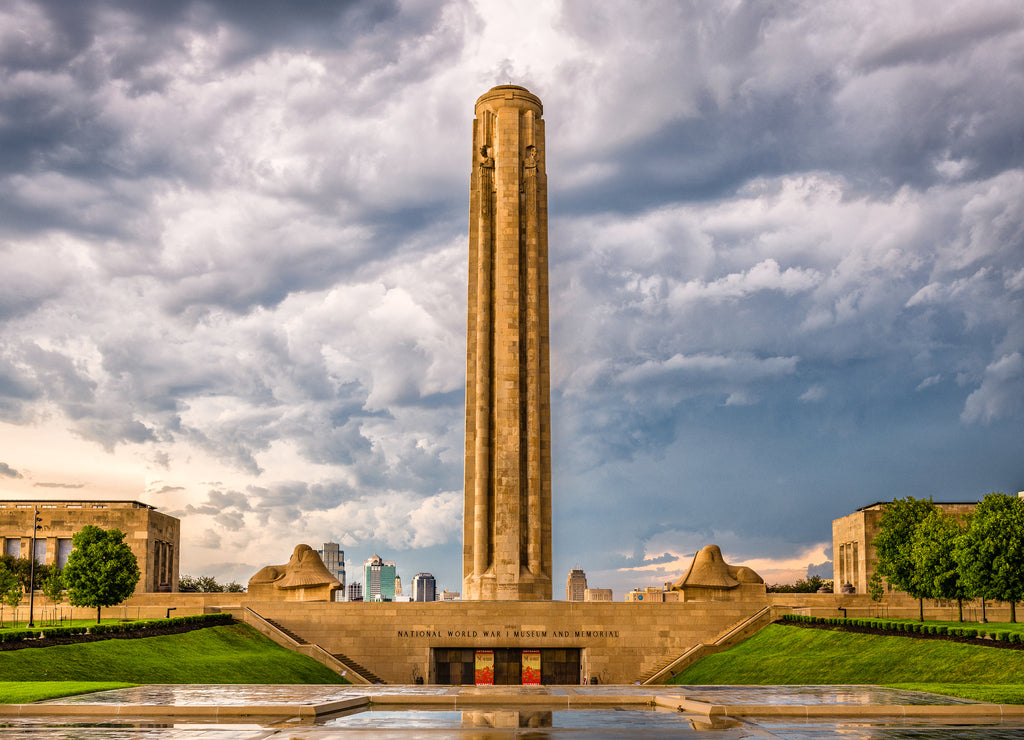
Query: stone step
x=364, y=672
x=299, y=639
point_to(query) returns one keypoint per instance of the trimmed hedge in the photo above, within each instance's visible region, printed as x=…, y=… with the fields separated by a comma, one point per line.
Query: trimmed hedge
x=16, y=635
x=886, y=625
x=119, y=628
x=62, y=631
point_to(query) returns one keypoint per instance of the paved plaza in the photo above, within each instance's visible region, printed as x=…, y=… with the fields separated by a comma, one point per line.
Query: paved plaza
x=214, y=712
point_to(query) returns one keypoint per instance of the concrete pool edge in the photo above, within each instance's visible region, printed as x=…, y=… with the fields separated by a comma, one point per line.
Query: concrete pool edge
x=469, y=697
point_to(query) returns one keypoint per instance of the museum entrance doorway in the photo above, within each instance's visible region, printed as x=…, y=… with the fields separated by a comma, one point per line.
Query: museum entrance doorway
x=504, y=666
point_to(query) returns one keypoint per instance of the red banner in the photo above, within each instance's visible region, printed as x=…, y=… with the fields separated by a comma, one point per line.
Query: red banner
x=531, y=668
x=484, y=673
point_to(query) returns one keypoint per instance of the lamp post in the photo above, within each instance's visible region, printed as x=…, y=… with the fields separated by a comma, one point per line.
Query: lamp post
x=32, y=568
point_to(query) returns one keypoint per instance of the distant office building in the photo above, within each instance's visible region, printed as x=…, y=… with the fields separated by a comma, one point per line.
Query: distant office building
x=447, y=595
x=575, y=585
x=398, y=585
x=597, y=594
x=424, y=587
x=334, y=560
x=355, y=592
x=652, y=594
x=378, y=579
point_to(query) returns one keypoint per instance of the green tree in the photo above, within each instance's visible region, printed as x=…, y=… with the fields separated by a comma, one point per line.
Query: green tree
x=894, y=546
x=990, y=552
x=101, y=569
x=207, y=584
x=875, y=588
x=10, y=591
x=808, y=585
x=199, y=584
x=53, y=588
x=932, y=550
x=20, y=567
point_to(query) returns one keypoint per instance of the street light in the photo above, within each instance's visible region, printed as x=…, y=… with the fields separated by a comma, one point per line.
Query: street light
x=36, y=526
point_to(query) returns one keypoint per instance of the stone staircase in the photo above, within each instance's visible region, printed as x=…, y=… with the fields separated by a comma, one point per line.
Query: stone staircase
x=337, y=662
x=297, y=638
x=732, y=636
x=364, y=672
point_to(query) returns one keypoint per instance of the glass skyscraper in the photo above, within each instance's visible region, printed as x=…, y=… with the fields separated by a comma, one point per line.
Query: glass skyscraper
x=378, y=579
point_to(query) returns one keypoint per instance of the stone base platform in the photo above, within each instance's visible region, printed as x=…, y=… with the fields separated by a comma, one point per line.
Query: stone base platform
x=303, y=705
x=408, y=643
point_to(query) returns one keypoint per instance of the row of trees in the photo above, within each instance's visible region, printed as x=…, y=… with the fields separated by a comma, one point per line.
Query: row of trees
x=101, y=571
x=809, y=585
x=931, y=554
x=207, y=584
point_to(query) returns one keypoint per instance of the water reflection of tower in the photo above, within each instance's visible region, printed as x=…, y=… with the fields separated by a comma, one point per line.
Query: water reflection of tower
x=504, y=718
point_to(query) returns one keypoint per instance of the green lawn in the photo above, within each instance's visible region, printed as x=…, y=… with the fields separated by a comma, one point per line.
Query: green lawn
x=12, y=692
x=228, y=654
x=782, y=654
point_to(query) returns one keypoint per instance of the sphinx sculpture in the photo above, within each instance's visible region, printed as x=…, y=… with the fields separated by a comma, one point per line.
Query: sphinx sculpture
x=710, y=578
x=303, y=578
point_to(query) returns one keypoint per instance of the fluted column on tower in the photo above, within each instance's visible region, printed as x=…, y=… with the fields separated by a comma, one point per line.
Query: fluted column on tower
x=507, y=515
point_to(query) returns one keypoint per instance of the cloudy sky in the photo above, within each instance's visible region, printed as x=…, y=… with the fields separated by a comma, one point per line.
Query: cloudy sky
x=787, y=268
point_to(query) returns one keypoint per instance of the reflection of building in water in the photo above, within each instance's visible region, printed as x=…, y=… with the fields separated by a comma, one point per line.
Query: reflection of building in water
x=505, y=718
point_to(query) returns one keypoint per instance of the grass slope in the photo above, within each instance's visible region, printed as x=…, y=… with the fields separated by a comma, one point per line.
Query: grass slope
x=790, y=655
x=230, y=654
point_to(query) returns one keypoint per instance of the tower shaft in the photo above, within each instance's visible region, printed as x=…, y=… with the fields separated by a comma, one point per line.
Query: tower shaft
x=507, y=515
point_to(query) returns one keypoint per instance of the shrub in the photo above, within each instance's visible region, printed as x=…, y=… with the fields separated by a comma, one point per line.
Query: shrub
x=16, y=635
x=57, y=631
x=1003, y=636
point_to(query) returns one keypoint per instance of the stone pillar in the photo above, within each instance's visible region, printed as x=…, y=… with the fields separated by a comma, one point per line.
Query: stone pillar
x=507, y=513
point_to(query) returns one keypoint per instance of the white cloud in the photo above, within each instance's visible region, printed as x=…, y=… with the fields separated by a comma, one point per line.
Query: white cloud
x=1001, y=393
x=813, y=394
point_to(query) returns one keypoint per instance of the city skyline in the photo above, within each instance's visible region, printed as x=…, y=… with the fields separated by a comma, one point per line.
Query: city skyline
x=786, y=249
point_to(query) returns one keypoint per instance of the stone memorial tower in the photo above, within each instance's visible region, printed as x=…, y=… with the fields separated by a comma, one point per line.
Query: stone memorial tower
x=507, y=525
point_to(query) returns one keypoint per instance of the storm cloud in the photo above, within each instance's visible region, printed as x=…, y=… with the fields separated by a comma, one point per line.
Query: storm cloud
x=786, y=250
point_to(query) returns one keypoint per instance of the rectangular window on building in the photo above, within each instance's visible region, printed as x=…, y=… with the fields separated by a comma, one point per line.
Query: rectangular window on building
x=40, y=550
x=13, y=547
x=74, y=506
x=99, y=506
x=48, y=506
x=63, y=550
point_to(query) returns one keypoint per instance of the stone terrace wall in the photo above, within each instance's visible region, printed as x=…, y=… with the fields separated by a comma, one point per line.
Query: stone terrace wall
x=620, y=642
